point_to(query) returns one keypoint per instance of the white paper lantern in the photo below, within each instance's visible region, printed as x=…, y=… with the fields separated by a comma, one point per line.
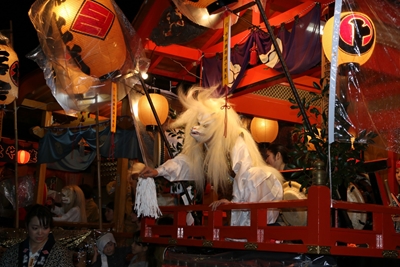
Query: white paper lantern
x=9, y=75
x=264, y=130
x=93, y=35
x=145, y=112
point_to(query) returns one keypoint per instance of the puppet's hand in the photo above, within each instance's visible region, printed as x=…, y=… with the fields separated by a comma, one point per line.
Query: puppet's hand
x=148, y=172
x=396, y=218
x=215, y=204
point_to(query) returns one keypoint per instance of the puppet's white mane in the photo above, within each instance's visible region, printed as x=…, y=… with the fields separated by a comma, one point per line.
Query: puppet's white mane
x=214, y=163
x=77, y=200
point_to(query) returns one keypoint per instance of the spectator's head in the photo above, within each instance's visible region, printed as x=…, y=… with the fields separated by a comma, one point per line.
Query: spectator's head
x=138, y=246
x=144, y=250
x=277, y=156
x=109, y=212
x=106, y=245
x=87, y=191
x=39, y=222
x=43, y=214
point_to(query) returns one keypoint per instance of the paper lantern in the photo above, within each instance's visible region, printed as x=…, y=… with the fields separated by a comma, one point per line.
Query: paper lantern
x=92, y=34
x=9, y=75
x=23, y=157
x=357, y=36
x=145, y=112
x=264, y=130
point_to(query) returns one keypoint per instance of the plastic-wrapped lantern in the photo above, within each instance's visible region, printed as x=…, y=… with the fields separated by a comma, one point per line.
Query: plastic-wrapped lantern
x=23, y=157
x=9, y=75
x=93, y=35
x=357, y=37
x=264, y=130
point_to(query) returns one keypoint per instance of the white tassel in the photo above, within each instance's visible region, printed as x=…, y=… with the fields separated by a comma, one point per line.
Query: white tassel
x=146, y=199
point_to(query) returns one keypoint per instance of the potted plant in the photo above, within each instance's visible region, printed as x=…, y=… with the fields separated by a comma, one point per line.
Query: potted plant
x=346, y=158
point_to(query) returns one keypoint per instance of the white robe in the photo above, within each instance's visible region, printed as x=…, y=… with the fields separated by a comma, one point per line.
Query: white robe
x=251, y=184
x=73, y=215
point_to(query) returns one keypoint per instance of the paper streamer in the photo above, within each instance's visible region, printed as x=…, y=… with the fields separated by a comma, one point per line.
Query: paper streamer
x=146, y=199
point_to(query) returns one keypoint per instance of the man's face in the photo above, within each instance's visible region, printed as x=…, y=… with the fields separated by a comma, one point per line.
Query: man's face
x=271, y=159
x=109, y=248
x=109, y=213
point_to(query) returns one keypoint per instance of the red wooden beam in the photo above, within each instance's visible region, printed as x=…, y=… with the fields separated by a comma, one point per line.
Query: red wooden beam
x=211, y=41
x=262, y=76
x=152, y=11
x=266, y=107
x=177, y=52
x=154, y=63
x=175, y=76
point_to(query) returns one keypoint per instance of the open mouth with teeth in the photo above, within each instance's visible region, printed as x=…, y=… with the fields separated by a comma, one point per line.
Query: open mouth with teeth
x=194, y=132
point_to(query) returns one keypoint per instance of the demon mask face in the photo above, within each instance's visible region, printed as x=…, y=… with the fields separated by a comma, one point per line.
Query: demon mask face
x=202, y=132
x=68, y=196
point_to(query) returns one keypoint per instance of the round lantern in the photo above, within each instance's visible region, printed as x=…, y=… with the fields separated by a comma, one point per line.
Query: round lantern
x=23, y=157
x=8, y=77
x=145, y=112
x=264, y=130
x=92, y=35
x=357, y=36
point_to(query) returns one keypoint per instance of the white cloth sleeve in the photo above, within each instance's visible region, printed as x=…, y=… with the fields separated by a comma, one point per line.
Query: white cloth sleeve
x=252, y=184
x=58, y=210
x=73, y=215
x=175, y=169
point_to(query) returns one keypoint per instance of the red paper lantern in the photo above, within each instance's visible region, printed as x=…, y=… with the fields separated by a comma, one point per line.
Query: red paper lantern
x=23, y=157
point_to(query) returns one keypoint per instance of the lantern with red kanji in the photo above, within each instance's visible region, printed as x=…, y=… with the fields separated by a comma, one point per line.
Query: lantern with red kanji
x=23, y=157
x=95, y=40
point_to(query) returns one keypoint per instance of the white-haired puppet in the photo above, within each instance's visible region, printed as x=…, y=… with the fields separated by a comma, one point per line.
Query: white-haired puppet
x=208, y=154
x=73, y=205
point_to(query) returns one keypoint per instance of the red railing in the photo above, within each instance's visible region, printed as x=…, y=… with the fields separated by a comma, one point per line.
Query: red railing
x=319, y=236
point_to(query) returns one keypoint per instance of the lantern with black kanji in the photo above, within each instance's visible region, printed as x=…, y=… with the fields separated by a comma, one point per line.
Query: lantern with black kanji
x=357, y=37
x=9, y=75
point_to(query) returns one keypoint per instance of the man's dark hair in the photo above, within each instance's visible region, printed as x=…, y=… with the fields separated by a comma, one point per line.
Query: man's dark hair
x=42, y=213
x=87, y=190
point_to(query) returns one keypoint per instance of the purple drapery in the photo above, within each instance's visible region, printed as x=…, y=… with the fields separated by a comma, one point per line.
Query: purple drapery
x=302, y=46
x=301, y=50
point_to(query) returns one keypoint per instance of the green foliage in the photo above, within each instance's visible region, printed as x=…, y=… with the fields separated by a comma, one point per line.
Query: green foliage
x=346, y=161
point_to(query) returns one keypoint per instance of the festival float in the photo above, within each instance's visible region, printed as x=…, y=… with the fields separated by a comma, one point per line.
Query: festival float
x=337, y=198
